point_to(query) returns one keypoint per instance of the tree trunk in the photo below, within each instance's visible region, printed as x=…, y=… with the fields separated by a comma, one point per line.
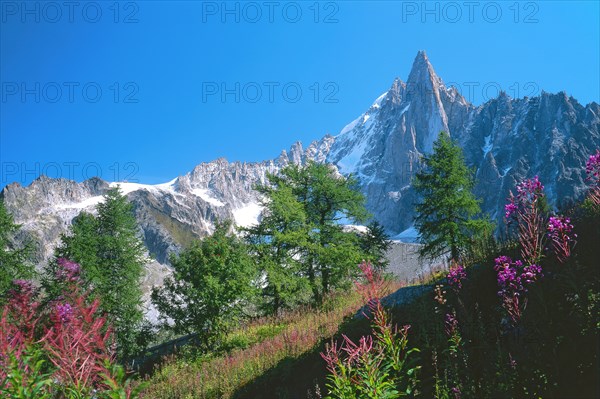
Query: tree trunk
x=313, y=283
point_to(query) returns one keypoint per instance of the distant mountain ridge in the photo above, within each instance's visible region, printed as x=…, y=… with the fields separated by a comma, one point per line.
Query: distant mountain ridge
x=504, y=140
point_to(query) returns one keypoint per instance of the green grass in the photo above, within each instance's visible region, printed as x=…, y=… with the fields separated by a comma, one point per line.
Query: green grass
x=251, y=352
x=555, y=348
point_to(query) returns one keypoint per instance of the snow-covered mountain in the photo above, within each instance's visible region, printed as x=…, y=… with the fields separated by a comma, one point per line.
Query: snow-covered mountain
x=504, y=139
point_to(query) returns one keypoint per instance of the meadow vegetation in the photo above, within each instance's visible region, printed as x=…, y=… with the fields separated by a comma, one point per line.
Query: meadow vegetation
x=293, y=307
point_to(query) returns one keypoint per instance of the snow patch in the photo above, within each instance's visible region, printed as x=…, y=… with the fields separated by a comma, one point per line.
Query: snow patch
x=394, y=195
x=404, y=109
x=409, y=235
x=354, y=227
x=350, y=126
x=168, y=186
x=247, y=215
x=378, y=101
x=487, y=146
x=207, y=195
x=127, y=187
x=87, y=203
x=349, y=163
x=364, y=117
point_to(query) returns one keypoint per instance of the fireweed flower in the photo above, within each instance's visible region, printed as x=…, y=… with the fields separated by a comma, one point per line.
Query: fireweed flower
x=456, y=276
x=23, y=286
x=524, y=209
x=63, y=312
x=509, y=209
x=530, y=190
x=560, y=232
x=451, y=324
x=68, y=270
x=530, y=274
x=513, y=280
x=592, y=167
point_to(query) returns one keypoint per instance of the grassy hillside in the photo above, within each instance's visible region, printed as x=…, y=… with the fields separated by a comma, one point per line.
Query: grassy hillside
x=551, y=353
x=253, y=352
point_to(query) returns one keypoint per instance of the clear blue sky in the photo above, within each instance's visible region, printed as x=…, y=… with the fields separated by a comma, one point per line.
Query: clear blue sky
x=172, y=61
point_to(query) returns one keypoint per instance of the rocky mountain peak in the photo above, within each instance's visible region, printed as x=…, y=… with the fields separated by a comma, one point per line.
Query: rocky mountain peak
x=422, y=75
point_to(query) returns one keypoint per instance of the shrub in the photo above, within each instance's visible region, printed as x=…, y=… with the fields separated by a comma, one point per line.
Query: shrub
x=58, y=350
x=380, y=365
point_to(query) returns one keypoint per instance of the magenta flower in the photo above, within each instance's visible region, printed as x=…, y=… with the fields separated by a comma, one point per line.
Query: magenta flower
x=592, y=167
x=560, y=233
x=451, y=324
x=456, y=276
x=530, y=190
x=510, y=209
x=513, y=279
x=68, y=270
x=63, y=313
x=525, y=210
x=23, y=286
x=530, y=274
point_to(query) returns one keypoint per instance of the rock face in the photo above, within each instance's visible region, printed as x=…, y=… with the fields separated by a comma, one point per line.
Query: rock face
x=504, y=140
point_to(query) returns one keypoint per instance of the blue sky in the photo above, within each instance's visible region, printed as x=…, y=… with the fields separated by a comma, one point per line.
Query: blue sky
x=146, y=90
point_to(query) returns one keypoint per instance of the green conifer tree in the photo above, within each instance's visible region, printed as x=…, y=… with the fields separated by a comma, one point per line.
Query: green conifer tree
x=14, y=262
x=326, y=252
x=375, y=243
x=112, y=258
x=446, y=213
x=276, y=243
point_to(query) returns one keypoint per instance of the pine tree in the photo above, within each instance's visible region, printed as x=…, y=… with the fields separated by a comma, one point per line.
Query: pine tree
x=329, y=199
x=210, y=287
x=375, y=243
x=112, y=259
x=79, y=245
x=120, y=268
x=325, y=251
x=14, y=263
x=275, y=244
x=445, y=216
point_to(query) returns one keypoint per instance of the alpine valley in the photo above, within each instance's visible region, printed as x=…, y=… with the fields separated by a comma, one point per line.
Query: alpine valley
x=504, y=140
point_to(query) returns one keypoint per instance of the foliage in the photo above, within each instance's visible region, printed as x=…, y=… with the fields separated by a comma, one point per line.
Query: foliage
x=375, y=243
x=276, y=244
x=60, y=350
x=210, y=286
x=112, y=258
x=13, y=260
x=266, y=344
x=379, y=366
x=304, y=205
x=470, y=344
x=24, y=376
x=445, y=216
x=527, y=209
